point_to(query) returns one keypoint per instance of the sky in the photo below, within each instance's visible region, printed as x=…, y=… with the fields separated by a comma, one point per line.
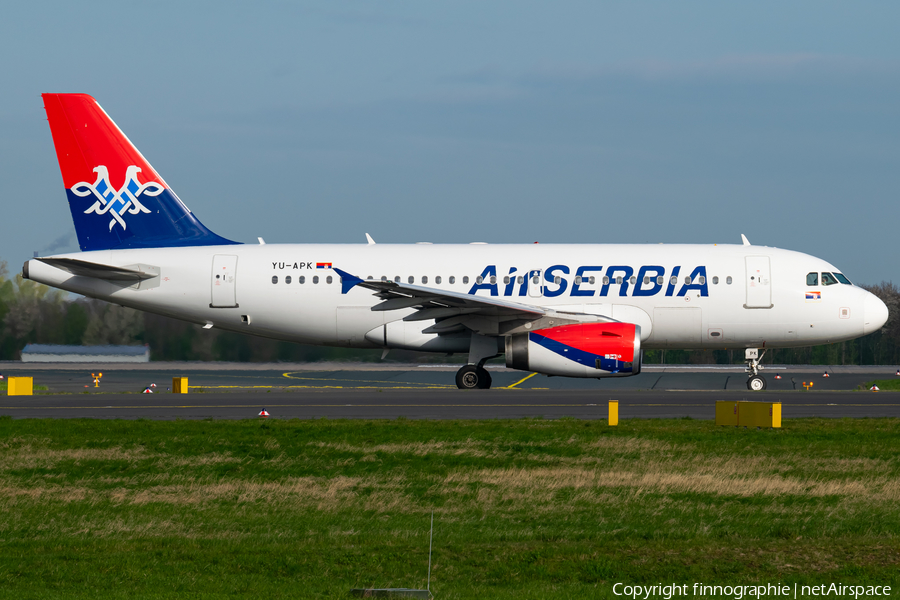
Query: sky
x=504, y=122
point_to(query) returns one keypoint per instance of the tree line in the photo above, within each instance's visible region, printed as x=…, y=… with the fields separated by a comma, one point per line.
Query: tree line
x=34, y=313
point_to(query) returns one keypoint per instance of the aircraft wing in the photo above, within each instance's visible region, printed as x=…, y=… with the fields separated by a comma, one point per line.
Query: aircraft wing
x=97, y=270
x=453, y=311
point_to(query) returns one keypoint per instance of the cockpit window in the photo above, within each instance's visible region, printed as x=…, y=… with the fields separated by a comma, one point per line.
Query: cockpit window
x=828, y=278
x=842, y=279
x=812, y=279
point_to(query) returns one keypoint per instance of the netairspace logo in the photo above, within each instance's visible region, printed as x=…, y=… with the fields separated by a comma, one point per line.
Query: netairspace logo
x=739, y=592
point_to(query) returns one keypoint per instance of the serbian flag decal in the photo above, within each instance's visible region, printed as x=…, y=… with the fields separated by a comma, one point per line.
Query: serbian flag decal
x=813, y=296
x=323, y=265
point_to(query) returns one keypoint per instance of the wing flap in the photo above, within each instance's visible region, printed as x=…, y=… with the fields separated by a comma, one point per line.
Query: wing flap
x=401, y=295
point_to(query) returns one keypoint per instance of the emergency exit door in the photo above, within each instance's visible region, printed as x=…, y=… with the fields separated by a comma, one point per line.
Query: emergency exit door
x=758, y=282
x=224, y=270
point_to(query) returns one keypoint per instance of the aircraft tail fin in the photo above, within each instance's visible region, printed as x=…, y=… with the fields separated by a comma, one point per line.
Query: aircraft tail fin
x=117, y=199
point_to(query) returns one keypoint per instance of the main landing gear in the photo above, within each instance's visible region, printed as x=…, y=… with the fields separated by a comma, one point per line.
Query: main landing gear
x=474, y=376
x=756, y=382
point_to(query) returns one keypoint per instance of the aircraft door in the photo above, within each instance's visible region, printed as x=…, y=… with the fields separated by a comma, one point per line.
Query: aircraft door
x=224, y=270
x=759, y=285
x=535, y=283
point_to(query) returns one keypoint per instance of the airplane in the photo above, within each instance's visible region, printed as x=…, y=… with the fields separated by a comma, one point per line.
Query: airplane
x=574, y=310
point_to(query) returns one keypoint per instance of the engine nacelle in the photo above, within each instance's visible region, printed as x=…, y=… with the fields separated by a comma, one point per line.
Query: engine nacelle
x=581, y=350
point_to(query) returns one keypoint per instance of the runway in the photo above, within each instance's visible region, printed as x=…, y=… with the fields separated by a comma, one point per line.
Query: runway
x=361, y=391
x=439, y=404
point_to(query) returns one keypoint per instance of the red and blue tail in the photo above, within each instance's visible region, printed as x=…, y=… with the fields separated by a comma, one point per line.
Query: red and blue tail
x=117, y=199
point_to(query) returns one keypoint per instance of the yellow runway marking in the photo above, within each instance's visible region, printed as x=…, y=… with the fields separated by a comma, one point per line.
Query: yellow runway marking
x=527, y=377
x=290, y=375
x=321, y=387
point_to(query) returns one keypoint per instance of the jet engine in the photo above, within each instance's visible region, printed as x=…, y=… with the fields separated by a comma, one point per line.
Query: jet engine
x=580, y=350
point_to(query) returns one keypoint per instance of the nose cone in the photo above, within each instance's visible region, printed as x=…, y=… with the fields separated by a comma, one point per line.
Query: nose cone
x=875, y=313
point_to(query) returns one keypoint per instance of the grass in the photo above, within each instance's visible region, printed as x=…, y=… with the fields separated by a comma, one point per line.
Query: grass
x=885, y=385
x=4, y=386
x=523, y=509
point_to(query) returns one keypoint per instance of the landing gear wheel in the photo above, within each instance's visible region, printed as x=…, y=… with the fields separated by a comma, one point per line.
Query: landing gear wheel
x=756, y=383
x=487, y=379
x=471, y=377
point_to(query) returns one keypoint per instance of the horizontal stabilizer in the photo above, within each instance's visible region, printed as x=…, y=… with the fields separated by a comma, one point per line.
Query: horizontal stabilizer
x=96, y=270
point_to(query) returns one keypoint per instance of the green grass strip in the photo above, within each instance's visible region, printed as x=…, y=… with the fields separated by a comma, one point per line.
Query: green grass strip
x=523, y=509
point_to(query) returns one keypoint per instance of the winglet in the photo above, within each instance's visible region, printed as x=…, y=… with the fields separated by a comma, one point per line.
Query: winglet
x=370, y=240
x=348, y=281
x=745, y=240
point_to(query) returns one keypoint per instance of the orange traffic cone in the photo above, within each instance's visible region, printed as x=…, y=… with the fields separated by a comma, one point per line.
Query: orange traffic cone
x=778, y=377
x=263, y=413
x=147, y=391
x=826, y=374
x=874, y=388
x=898, y=374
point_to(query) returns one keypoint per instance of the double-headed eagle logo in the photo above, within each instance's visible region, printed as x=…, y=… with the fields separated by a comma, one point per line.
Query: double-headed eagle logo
x=117, y=203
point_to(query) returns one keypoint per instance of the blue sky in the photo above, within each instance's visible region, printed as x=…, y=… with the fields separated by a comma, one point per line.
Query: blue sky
x=472, y=121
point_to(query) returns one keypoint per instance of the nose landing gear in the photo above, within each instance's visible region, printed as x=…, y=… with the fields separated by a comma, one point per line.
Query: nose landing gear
x=756, y=382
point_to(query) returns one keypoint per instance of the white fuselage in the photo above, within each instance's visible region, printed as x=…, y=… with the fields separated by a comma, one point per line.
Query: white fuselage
x=738, y=296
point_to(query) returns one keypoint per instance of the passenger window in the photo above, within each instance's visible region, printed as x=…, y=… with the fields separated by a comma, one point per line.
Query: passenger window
x=557, y=280
x=619, y=280
x=506, y=279
x=287, y=279
x=535, y=279
x=715, y=280
x=452, y=280
x=384, y=278
x=411, y=280
x=812, y=279
x=687, y=280
x=842, y=279
x=605, y=280
x=591, y=280
x=315, y=279
x=493, y=279
x=424, y=278
x=578, y=281
x=328, y=279
x=633, y=280
x=274, y=278
x=301, y=279
x=520, y=280
x=437, y=279
x=673, y=280
x=828, y=278
x=465, y=279
x=479, y=279
x=660, y=280
x=728, y=280
x=397, y=279
x=701, y=280
x=646, y=280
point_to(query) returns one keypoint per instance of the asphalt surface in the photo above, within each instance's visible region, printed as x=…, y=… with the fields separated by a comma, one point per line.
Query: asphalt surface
x=440, y=404
x=428, y=392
